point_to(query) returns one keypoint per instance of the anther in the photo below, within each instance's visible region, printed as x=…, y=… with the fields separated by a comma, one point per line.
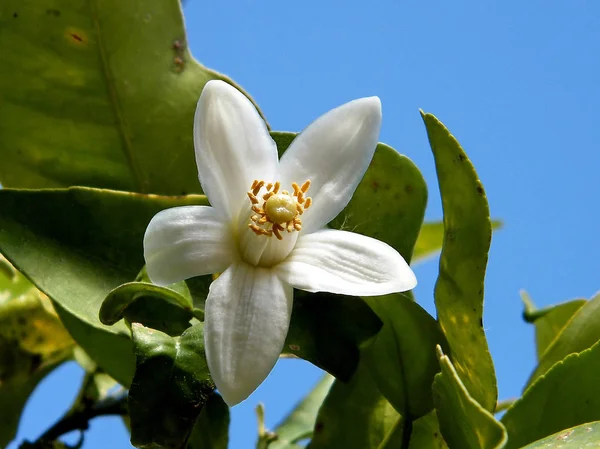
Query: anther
x=252, y=197
x=257, y=187
x=276, y=187
x=269, y=186
x=255, y=218
x=277, y=233
x=305, y=186
x=296, y=188
x=299, y=208
x=254, y=184
x=300, y=197
x=297, y=226
x=267, y=195
x=263, y=220
x=258, y=210
x=285, y=192
x=307, y=203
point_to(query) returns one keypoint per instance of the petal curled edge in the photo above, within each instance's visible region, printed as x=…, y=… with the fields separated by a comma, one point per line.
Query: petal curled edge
x=247, y=317
x=233, y=147
x=184, y=242
x=346, y=263
x=333, y=152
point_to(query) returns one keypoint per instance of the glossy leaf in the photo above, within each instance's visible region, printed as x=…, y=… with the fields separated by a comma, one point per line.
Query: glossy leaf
x=459, y=287
x=431, y=238
x=355, y=415
x=212, y=427
x=585, y=435
x=328, y=329
x=548, y=321
x=89, y=242
x=157, y=307
x=402, y=357
x=565, y=396
x=170, y=387
x=581, y=332
x=300, y=423
x=106, y=95
x=463, y=422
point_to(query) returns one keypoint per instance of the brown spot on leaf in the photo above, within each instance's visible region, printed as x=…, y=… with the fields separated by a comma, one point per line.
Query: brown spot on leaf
x=15, y=15
x=76, y=37
x=318, y=427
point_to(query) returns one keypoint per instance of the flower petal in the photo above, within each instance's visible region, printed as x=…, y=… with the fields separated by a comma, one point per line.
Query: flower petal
x=247, y=317
x=233, y=147
x=346, y=263
x=333, y=152
x=184, y=242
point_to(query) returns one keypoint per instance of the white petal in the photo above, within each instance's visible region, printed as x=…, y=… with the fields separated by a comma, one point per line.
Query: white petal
x=333, y=152
x=247, y=318
x=184, y=242
x=233, y=147
x=346, y=263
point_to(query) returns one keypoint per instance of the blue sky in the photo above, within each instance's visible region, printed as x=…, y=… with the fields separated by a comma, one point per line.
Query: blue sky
x=515, y=82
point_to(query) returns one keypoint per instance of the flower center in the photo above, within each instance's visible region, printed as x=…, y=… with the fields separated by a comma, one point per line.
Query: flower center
x=280, y=210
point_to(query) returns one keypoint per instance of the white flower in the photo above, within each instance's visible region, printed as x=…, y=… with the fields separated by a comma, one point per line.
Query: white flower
x=265, y=232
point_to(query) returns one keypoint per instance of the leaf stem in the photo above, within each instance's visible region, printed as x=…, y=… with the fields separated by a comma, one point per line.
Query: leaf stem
x=407, y=427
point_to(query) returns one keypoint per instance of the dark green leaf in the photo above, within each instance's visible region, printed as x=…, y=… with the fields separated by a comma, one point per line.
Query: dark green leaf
x=463, y=422
x=581, y=332
x=157, y=307
x=328, y=329
x=459, y=287
x=355, y=415
x=212, y=427
x=300, y=423
x=402, y=358
x=565, y=396
x=170, y=387
x=99, y=94
x=426, y=433
x=548, y=321
x=585, y=435
x=431, y=238
x=88, y=243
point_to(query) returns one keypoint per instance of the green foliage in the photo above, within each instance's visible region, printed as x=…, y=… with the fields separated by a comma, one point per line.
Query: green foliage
x=106, y=95
x=300, y=423
x=581, y=332
x=565, y=396
x=402, y=358
x=170, y=386
x=32, y=343
x=465, y=424
x=585, y=435
x=328, y=329
x=548, y=321
x=88, y=243
x=211, y=430
x=459, y=287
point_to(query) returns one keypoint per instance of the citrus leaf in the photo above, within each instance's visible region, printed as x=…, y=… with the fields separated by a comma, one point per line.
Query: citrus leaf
x=100, y=94
x=459, y=287
x=565, y=396
x=585, y=435
x=88, y=243
x=463, y=422
x=170, y=386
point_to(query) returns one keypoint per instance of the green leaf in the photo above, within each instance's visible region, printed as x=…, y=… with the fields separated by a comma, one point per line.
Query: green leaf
x=464, y=423
x=170, y=387
x=106, y=95
x=426, y=433
x=585, y=435
x=355, y=415
x=299, y=424
x=328, y=329
x=212, y=427
x=32, y=343
x=402, y=358
x=566, y=396
x=581, y=332
x=548, y=321
x=431, y=238
x=459, y=287
x=88, y=243
x=157, y=307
